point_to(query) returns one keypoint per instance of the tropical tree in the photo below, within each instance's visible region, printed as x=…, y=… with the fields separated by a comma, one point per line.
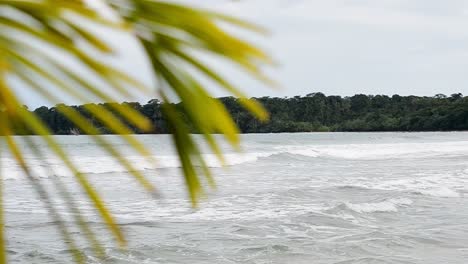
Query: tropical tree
x=38, y=36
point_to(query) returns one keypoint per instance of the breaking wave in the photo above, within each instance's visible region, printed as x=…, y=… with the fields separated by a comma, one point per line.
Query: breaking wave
x=106, y=164
x=379, y=151
x=101, y=165
x=390, y=205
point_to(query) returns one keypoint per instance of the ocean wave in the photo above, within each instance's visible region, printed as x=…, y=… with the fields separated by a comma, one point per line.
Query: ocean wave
x=105, y=164
x=443, y=192
x=444, y=186
x=379, y=151
x=390, y=205
x=100, y=165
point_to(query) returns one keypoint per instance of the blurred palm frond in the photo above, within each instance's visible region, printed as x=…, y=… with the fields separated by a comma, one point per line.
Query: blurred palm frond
x=36, y=36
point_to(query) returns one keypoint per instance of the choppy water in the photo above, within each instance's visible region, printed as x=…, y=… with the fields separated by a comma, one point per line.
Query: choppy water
x=290, y=198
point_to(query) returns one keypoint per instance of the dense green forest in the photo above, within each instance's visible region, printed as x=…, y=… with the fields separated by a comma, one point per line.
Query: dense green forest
x=314, y=112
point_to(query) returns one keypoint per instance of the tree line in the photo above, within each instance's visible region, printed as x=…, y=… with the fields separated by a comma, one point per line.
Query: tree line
x=313, y=112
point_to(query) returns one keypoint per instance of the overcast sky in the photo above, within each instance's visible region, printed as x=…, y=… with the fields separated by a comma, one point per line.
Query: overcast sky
x=344, y=47
x=362, y=46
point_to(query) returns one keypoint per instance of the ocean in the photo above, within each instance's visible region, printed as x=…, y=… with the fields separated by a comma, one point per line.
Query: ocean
x=286, y=198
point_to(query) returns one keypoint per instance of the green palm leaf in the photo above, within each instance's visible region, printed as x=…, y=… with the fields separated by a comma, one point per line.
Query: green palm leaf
x=170, y=34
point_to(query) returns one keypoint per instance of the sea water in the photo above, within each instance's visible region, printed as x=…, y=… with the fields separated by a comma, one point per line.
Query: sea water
x=286, y=198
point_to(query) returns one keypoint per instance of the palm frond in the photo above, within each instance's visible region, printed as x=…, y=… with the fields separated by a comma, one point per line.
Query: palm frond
x=36, y=34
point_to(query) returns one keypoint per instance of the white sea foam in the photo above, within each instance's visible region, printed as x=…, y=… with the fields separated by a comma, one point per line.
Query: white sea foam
x=443, y=192
x=235, y=158
x=99, y=165
x=304, y=151
x=286, y=200
x=106, y=164
x=439, y=185
x=379, y=151
x=390, y=205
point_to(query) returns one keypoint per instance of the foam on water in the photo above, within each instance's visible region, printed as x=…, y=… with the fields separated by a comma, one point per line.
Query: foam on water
x=372, y=197
x=443, y=192
x=99, y=165
x=379, y=151
x=443, y=186
x=106, y=164
x=390, y=205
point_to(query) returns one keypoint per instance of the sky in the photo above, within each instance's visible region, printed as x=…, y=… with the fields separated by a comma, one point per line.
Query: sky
x=343, y=47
